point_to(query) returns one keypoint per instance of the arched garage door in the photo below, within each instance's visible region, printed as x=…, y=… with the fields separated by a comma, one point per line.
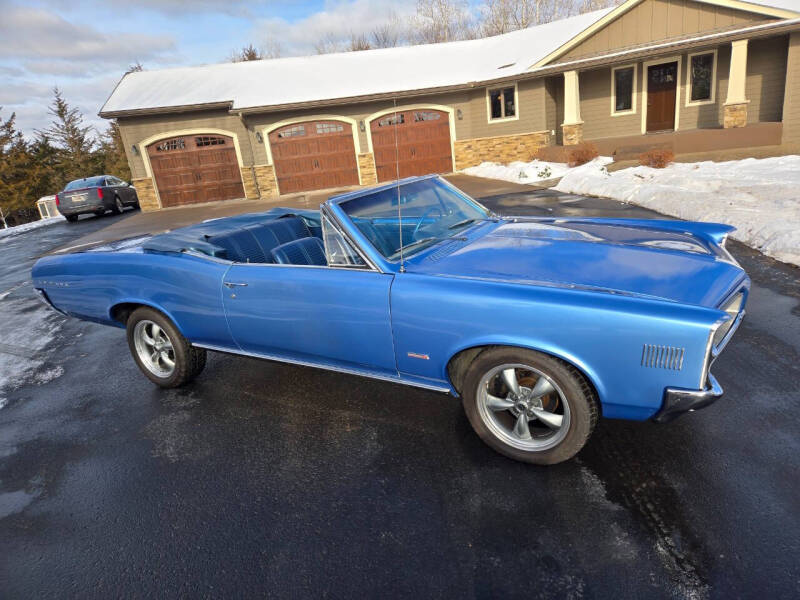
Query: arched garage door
x=313, y=156
x=195, y=168
x=422, y=143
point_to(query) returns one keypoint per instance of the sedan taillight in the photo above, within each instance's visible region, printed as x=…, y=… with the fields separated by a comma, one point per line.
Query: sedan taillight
x=100, y=193
x=58, y=202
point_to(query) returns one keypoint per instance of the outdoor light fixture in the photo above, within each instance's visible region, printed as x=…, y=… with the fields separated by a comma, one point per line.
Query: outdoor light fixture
x=361, y=126
x=259, y=138
x=135, y=150
x=459, y=114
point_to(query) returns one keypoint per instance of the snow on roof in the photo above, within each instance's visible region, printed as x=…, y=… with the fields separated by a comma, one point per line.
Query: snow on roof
x=791, y=5
x=345, y=75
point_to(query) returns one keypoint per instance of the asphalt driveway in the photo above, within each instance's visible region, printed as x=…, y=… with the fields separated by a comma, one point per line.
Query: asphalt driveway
x=274, y=480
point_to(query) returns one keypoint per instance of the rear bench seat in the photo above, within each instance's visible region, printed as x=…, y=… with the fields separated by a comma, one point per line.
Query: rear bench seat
x=255, y=243
x=305, y=251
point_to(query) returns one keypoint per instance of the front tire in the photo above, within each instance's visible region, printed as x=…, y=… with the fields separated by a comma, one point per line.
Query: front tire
x=529, y=406
x=161, y=352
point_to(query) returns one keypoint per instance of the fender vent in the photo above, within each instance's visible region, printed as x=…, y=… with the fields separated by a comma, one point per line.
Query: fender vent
x=662, y=357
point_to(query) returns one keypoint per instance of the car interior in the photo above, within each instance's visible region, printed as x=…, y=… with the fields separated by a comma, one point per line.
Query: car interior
x=288, y=239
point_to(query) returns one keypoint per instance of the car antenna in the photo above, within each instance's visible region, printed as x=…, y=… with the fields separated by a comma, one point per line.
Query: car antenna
x=397, y=173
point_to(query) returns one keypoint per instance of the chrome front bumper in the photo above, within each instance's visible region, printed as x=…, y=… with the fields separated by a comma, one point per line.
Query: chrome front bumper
x=678, y=401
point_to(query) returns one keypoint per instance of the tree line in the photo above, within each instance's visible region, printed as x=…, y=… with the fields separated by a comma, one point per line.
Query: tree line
x=437, y=21
x=66, y=150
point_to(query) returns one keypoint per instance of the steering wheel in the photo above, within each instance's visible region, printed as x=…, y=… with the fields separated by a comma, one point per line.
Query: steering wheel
x=422, y=218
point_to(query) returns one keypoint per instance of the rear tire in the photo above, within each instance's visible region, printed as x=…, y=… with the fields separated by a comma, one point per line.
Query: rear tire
x=546, y=421
x=161, y=352
x=71, y=218
x=118, y=207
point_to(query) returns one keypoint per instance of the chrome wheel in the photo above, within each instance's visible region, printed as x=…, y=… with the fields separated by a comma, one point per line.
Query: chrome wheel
x=154, y=348
x=120, y=207
x=523, y=407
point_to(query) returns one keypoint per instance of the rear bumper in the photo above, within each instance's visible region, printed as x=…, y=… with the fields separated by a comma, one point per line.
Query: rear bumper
x=678, y=401
x=82, y=209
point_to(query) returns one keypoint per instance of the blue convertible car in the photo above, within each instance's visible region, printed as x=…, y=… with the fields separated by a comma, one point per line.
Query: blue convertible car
x=540, y=325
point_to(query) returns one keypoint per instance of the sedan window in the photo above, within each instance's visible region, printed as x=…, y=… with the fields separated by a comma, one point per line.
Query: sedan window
x=88, y=182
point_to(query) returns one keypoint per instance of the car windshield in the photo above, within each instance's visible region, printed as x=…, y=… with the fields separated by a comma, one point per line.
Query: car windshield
x=426, y=211
x=84, y=183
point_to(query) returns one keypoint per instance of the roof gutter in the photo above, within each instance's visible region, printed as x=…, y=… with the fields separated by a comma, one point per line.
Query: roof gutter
x=611, y=58
x=113, y=114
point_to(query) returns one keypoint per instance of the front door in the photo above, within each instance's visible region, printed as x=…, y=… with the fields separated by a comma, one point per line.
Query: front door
x=662, y=86
x=321, y=315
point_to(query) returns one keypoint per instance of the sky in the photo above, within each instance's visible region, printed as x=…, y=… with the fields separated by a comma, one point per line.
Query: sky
x=85, y=46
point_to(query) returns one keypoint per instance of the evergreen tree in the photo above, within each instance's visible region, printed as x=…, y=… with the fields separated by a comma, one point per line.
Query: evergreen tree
x=73, y=139
x=14, y=167
x=112, y=153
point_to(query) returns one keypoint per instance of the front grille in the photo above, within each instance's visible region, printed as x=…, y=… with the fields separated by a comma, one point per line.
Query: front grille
x=662, y=357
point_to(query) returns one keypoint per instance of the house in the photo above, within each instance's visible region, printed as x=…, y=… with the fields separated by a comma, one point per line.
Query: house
x=688, y=74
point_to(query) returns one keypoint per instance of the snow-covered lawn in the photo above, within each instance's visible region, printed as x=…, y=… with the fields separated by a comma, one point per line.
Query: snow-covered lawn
x=519, y=172
x=28, y=226
x=760, y=197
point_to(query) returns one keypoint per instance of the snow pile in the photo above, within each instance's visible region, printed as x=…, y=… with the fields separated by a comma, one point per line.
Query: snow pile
x=29, y=226
x=519, y=172
x=760, y=197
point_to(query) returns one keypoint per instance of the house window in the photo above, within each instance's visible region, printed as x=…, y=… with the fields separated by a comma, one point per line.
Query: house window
x=207, y=140
x=294, y=131
x=702, y=75
x=623, y=90
x=393, y=119
x=502, y=103
x=176, y=144
x=323, y=128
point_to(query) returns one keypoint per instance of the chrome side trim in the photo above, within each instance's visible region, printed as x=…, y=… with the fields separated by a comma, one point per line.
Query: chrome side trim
x=303, y=363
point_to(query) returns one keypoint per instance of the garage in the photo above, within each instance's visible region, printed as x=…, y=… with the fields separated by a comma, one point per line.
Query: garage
x=314, y=155
x=189, y=169
x=413, y=142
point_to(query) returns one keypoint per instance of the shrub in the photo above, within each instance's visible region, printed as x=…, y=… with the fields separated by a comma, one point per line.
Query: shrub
x=581, y=154
x=658, y=159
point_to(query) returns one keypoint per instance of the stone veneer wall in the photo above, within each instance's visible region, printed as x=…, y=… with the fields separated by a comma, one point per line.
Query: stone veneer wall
x=366, y=166
x=146, y=191
x=249, y=183
x=502, y=149
x=572, y=134
x=267, y=182
x=735, y=115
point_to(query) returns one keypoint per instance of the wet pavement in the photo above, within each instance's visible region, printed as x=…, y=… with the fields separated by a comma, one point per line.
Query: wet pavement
x=274, y=480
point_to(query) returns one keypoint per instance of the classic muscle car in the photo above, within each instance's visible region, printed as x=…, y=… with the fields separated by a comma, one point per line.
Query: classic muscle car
x=539, y=325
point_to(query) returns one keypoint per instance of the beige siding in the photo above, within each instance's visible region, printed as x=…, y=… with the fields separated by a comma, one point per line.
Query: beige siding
x=136, y=129
x=766, y=72
x=554, y=106
x=654, y=20
x=595, y=89
x=791, y=105
x=766, y=78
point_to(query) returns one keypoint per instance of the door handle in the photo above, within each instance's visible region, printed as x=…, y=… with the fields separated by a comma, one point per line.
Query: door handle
x=232, y=284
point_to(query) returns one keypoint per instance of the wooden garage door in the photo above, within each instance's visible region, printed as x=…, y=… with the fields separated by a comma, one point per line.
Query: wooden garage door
x=195, y=168
x=422, y=143
x=313, y=156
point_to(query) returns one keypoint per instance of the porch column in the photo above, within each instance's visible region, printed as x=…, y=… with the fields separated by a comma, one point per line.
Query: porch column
x=736, y=102
x=572, y=127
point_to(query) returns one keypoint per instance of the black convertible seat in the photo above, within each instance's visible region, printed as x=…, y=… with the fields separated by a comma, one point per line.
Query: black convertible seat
x=254, y=243
x=305, y=251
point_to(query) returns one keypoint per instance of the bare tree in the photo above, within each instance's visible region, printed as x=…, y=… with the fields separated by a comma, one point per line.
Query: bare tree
x=590, y=5
x=135, y=68
x=250, y=52
x=327, y=44
x=441, y=21
x=502, y=16
x=388, y=34
x=359, y=41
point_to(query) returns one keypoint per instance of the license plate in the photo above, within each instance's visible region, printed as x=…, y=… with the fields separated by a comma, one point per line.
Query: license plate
x=79, y=197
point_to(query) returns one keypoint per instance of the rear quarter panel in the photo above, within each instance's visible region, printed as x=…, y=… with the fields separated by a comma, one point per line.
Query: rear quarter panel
x=186, y=288
x=601, y=334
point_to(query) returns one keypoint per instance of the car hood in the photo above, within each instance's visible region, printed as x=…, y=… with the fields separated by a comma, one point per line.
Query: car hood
x=604, y=255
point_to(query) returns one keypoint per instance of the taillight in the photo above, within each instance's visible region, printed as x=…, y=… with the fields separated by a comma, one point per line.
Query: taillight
x=58, y=202
x=100, y=193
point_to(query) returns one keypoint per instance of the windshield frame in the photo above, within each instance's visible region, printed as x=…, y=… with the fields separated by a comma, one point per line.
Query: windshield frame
x=392, y=262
